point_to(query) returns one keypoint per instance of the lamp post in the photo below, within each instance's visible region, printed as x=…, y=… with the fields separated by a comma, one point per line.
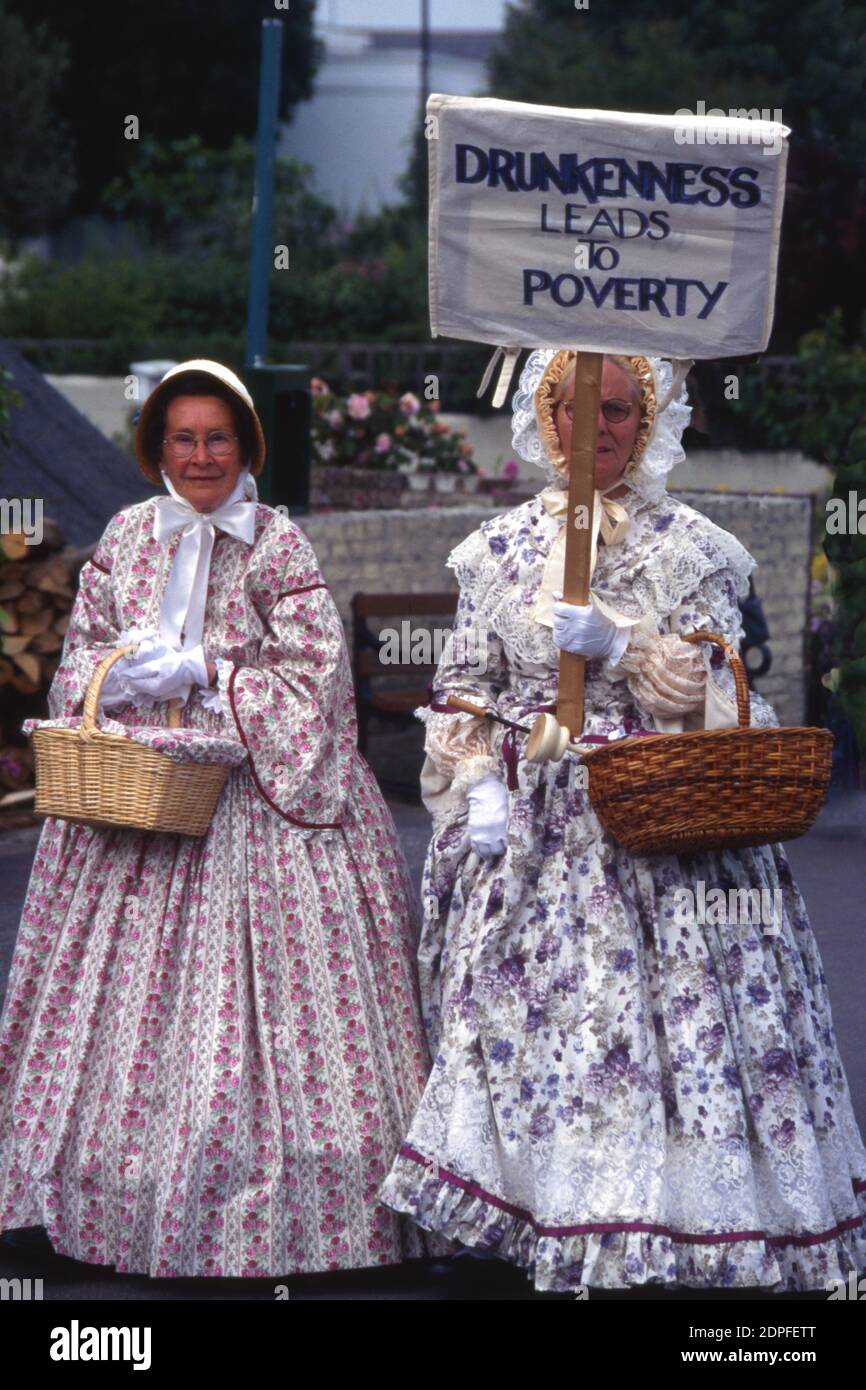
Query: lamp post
x=281, y=392
x=425, y=54
x=261, y=240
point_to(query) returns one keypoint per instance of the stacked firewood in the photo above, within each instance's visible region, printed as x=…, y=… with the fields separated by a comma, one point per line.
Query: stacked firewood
x=37, y=590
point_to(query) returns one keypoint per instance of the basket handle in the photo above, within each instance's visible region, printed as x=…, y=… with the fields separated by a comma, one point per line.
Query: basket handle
x=741, y=680
x=89, y=725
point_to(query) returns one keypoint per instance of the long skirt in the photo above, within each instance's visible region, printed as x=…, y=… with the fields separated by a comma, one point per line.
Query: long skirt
x=635, y=1077
x=211, y=1048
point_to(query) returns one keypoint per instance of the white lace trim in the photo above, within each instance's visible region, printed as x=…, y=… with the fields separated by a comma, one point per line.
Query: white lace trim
x=216, y=698
x=473, y=771
x=670, y=551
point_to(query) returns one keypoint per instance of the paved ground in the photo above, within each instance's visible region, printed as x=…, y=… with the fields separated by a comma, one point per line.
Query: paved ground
x=829, y=866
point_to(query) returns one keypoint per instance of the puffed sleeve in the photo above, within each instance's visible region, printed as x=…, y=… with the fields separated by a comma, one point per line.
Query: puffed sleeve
x=714, y=607
x=93, y=626
x=462, y=748
x=673, y=679
x=294, y=709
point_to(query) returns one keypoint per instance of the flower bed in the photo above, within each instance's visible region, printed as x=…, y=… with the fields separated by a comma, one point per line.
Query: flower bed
x=372, y=448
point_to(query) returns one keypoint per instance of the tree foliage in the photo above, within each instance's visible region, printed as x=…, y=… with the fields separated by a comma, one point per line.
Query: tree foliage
x=36, y=181
x=805, y=62
x=660, y=55
x=179, y=196
x=847, y=553
x=183, y=67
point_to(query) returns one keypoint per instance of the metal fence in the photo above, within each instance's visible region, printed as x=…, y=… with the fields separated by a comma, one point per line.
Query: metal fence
x=456, y=367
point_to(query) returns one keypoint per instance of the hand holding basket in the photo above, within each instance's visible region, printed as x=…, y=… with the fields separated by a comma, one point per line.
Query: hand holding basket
x=92, y=777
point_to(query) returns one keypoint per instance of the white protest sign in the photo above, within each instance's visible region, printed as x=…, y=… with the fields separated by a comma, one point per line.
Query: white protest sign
x=603, y=230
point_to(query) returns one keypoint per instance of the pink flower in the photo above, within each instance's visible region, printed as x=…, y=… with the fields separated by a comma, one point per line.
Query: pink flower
x=318, y=387
x=409, y=404
x=510, y=469
x=335, y=419
x=383, y=443
x=359, y=407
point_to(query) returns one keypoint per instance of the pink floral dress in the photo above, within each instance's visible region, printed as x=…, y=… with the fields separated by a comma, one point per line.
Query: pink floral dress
x=211, y=1048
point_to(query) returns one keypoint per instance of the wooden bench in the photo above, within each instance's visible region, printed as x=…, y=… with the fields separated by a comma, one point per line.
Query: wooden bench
x=391, y=691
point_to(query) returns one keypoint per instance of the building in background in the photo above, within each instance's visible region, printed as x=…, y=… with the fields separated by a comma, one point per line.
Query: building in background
x=357, y=129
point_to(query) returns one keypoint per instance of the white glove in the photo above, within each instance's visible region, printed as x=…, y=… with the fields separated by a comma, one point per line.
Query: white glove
x=488, y=815
x=167, y=674
x=587, y=632
x=117, y=688
x=155, y=672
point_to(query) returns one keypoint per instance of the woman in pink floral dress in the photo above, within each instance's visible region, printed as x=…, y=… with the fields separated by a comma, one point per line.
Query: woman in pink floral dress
x=210, y=1048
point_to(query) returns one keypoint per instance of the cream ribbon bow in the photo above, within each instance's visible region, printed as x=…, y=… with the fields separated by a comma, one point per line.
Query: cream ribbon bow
x=183, y=602
x=609, y=518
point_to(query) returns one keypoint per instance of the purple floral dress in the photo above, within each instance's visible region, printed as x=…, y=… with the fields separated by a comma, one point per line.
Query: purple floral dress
x=211, y=1048
x=623, y=1091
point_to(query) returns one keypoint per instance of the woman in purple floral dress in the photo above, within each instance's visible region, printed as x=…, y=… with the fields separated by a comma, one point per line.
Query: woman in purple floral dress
x=626, y=1088
x=211, y=1048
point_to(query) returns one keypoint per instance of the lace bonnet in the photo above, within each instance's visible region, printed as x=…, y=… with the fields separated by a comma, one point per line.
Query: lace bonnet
x=665, y=412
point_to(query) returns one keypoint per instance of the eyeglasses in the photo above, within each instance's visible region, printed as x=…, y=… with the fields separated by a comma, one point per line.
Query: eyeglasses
x=218, y=444
x=613, y=410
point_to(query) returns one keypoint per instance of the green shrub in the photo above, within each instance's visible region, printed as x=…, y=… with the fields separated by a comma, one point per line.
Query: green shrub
x=813, y=410
x=10, y=399
x=847, y=553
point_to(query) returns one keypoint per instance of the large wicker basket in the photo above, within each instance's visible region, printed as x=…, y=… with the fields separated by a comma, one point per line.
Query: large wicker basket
x=714, y=788
x=91, y=777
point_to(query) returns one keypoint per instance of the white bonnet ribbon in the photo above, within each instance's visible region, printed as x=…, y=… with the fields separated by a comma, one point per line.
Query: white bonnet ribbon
x=509, y=356
x=183, y=602
x=608, y=517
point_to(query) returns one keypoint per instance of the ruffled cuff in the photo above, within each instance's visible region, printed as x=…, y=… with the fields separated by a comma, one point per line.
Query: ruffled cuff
x=643, y=638
x=671, y=678
x=472, y=771
x=216, y=698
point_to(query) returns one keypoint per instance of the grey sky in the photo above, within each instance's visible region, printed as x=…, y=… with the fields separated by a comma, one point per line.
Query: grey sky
x=405, y=14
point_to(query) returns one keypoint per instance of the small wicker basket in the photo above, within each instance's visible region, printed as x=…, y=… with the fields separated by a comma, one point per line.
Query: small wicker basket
x=95, y=778
x=713, y=788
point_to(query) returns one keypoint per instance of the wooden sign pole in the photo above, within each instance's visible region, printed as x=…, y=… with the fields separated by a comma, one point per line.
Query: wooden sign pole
x=578, y=538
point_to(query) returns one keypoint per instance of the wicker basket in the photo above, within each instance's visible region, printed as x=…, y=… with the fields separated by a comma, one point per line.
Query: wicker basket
x=94, y=778
x=714, y=788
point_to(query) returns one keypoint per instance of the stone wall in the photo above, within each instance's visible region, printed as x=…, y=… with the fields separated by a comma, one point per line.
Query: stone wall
x=393, y=552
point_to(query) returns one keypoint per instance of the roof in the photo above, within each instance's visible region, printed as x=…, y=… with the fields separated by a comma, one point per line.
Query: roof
x=56, y=454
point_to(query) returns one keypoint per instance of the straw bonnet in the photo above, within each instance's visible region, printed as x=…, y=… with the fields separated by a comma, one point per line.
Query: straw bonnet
x=664, y=408
x=545, y=402
x=201, y=367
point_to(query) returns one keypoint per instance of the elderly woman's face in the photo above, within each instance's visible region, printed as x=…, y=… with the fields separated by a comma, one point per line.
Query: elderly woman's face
x=615, y=438
x=206, y=479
